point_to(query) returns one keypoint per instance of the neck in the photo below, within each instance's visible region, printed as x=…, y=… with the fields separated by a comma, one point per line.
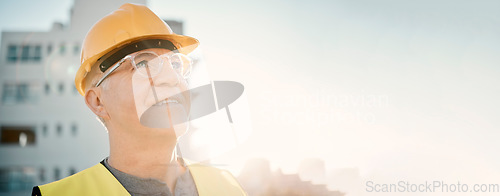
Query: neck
x=145, y=156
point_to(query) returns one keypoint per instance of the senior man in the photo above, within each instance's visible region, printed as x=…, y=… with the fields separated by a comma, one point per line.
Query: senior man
x=133, y=77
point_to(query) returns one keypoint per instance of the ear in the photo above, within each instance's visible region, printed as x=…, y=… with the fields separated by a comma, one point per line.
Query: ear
x=95, y=104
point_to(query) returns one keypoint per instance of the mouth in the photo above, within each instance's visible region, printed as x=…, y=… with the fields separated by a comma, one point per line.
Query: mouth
x=163, y=102
x=165, y=98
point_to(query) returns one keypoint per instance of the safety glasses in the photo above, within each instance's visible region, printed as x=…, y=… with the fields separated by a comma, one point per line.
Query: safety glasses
x=149, y=64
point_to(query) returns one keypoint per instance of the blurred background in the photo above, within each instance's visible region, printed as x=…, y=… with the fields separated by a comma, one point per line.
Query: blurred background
x=337, y=93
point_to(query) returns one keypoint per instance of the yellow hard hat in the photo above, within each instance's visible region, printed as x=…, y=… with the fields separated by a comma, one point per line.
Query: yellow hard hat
x=128, y=25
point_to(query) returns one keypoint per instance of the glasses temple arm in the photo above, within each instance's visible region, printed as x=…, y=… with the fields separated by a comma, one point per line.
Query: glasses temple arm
x=110, y=71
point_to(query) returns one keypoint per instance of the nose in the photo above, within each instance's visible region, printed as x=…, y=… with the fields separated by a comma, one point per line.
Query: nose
x=167, y=76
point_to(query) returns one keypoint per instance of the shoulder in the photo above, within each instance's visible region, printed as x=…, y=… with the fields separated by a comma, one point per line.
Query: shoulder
x=96, y=180
x=210, y=180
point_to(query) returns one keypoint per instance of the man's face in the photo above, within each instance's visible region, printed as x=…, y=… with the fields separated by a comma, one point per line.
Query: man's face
x=141, y=98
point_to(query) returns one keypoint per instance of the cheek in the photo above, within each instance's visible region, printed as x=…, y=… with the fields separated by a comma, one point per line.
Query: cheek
x=140, y=92
x=121, y=96
x=186, y=93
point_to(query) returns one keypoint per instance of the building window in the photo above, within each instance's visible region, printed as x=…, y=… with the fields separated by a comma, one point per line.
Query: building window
x=14, y=93
x=17, y=135
x=76, y=49
x=45, y=130
x=49, y=49
x=22, y=92
x=16, y=179
x=25, y=52
x=74, y=129
x=18, y=93
x=47, y=88
x=37, y=53
x=9, y=93
x=12, y=53
x=61, y=87
x=59, y=129
x=41, y=174
x=57, y=174
x=62, y=48
x=72, y=171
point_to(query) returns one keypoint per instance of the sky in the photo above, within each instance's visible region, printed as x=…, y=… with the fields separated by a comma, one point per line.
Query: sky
x=397, y=89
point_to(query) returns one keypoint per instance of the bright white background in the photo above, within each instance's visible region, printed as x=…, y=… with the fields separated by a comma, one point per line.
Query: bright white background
x=401, y=90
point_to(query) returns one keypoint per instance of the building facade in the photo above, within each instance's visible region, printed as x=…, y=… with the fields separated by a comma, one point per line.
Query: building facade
x=46, y=130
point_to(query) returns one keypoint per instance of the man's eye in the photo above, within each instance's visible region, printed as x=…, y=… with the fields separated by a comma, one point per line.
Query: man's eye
x=142, y=64
x=176, y=65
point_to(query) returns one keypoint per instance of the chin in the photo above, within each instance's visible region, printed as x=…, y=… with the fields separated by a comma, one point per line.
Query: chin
x=164, y=117
x=175, y=132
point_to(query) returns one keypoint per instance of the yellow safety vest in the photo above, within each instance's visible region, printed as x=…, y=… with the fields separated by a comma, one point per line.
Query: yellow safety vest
x=98, y=180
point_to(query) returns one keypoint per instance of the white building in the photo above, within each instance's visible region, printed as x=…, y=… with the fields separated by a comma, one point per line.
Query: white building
x=46, y=131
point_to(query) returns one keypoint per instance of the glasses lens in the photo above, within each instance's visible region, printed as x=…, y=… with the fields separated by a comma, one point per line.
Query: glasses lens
x=183, y=63
x=177, y=64
x=148, y=64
